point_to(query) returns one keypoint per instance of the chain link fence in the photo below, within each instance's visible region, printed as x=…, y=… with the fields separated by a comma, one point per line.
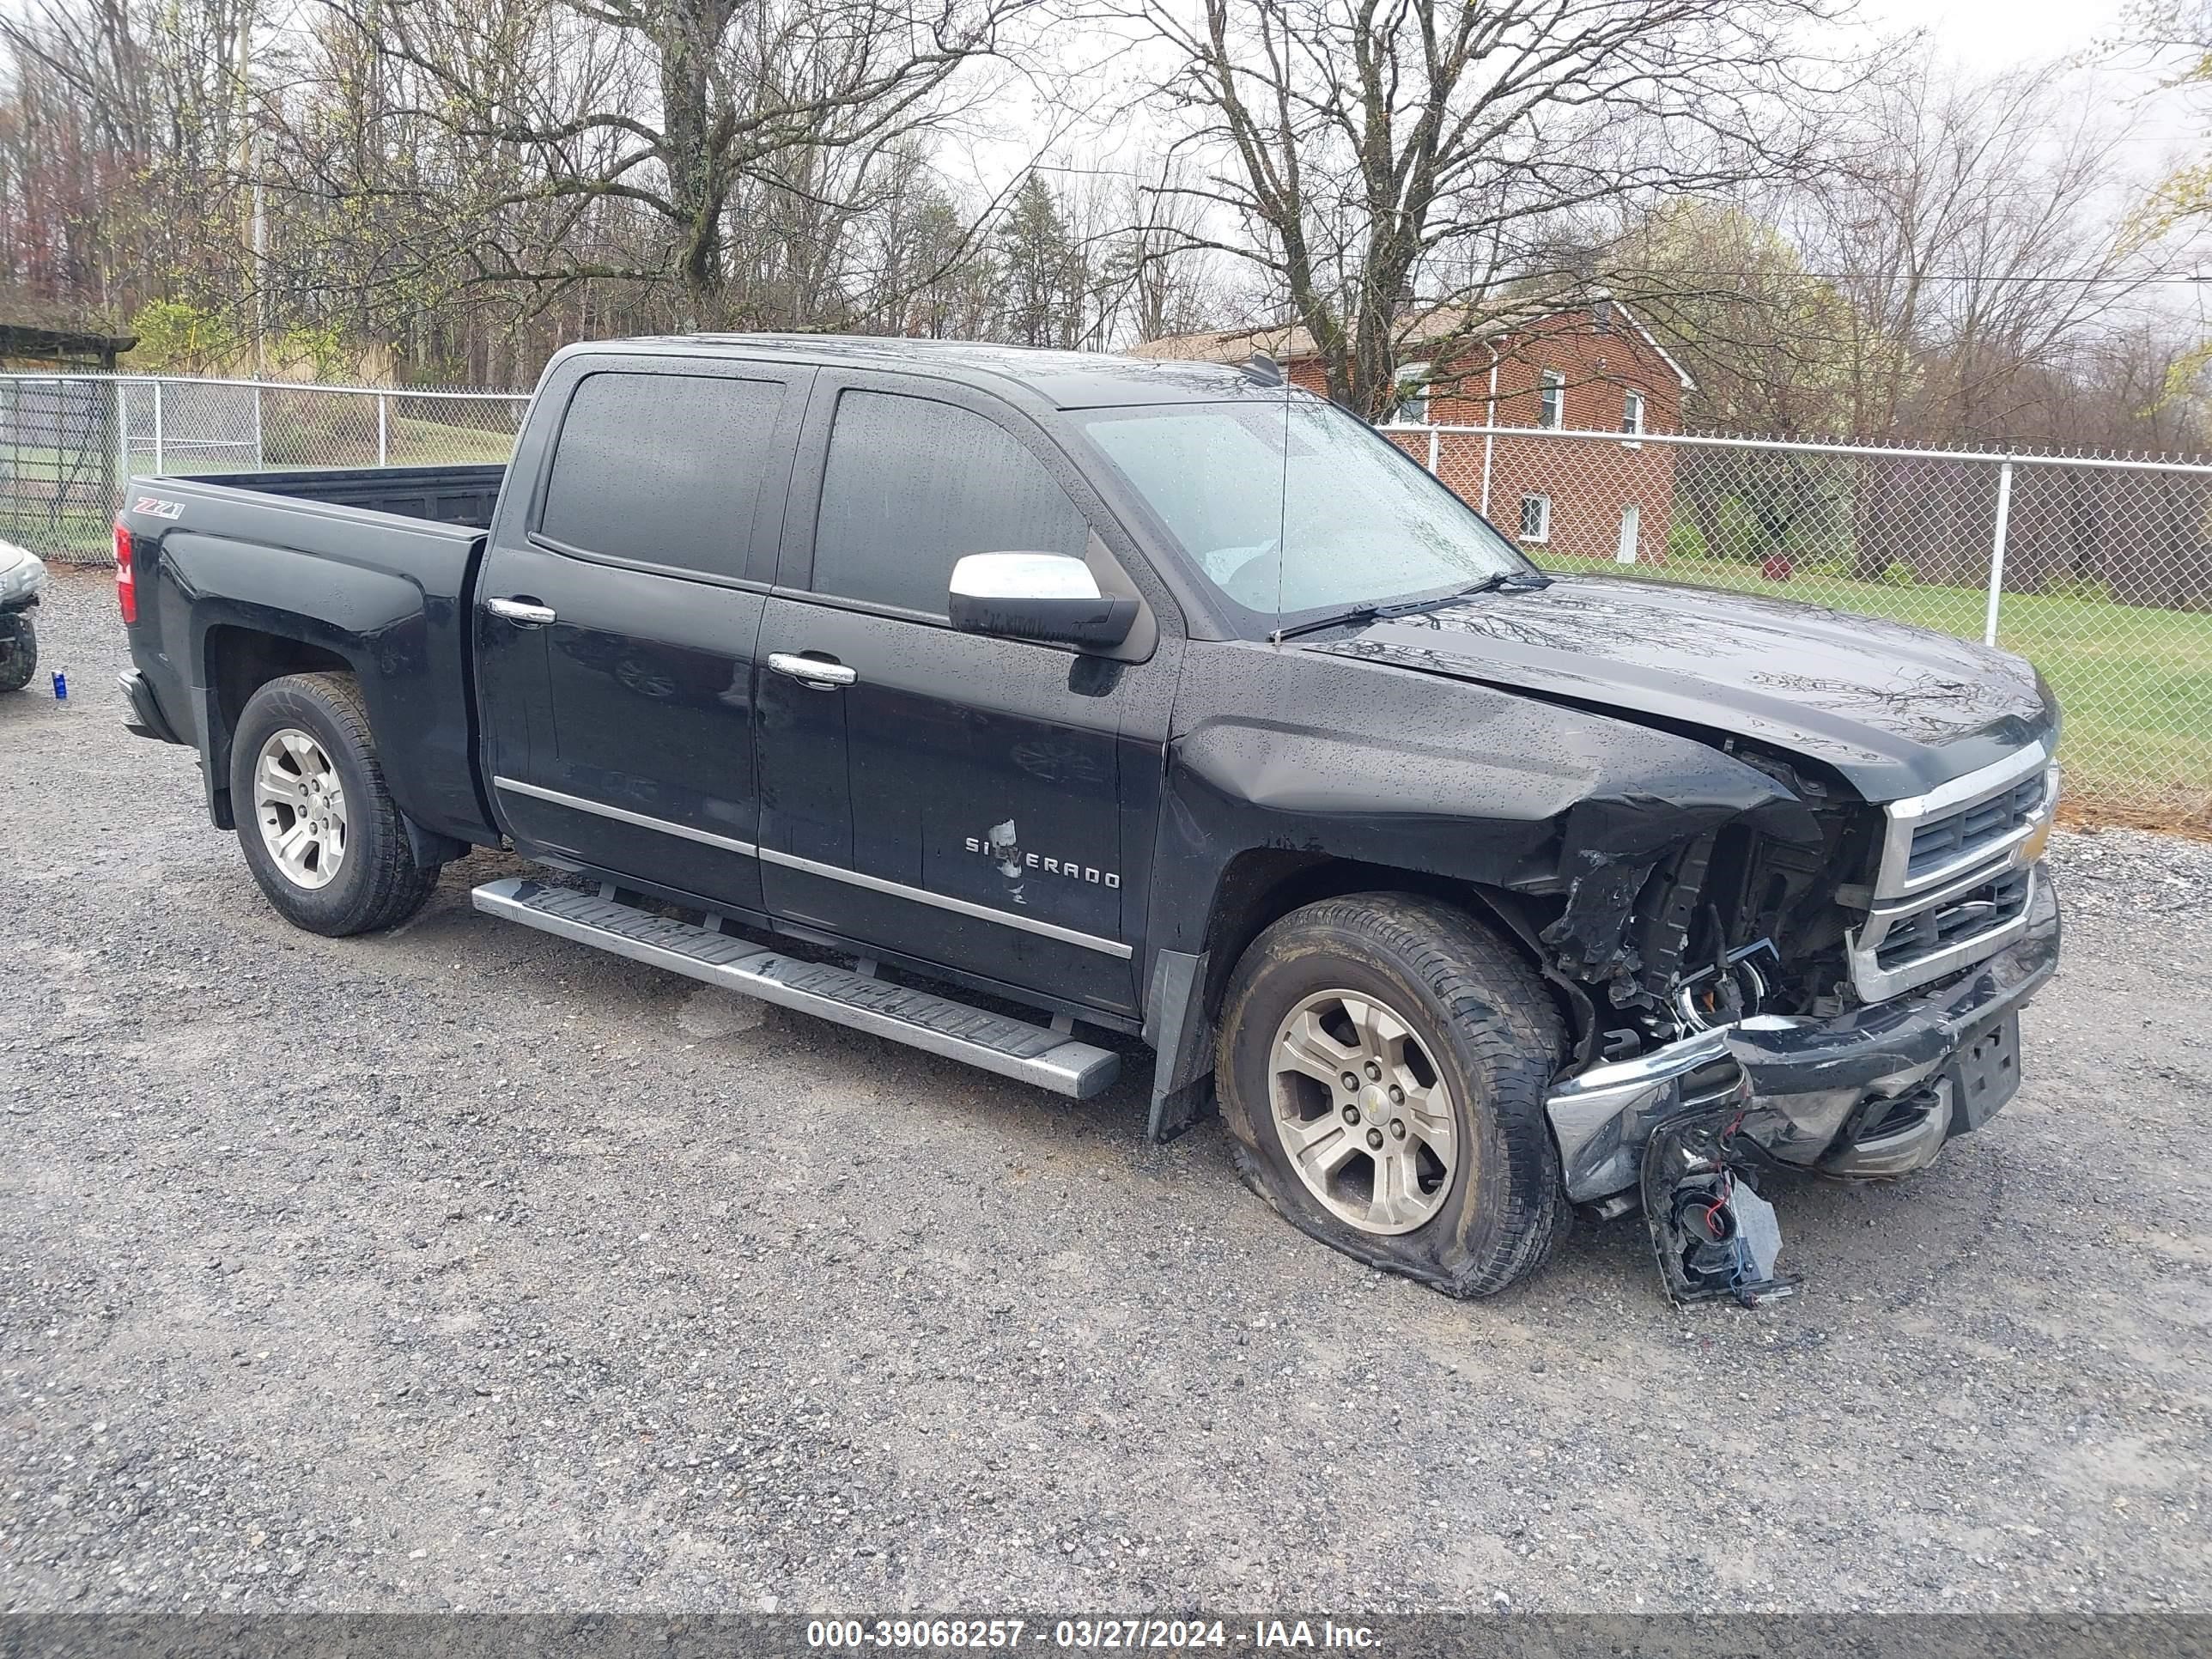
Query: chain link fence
x=2098, y=569
x=69, y=442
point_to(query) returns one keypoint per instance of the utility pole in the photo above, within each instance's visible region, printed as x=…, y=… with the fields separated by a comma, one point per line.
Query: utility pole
x=255, y=238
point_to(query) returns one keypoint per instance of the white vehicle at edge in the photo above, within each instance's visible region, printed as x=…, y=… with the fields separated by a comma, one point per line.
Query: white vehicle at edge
x=22, y=576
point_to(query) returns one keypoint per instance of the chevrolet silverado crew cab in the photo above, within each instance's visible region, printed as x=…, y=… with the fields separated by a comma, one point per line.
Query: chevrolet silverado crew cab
x=1005, y=703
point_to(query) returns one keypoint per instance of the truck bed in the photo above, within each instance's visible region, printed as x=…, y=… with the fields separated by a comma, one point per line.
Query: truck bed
x=241, y=575
x=442, y=494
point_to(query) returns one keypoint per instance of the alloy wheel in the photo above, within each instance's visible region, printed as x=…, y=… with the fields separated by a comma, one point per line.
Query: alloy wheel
x=299, y=803
x=1363, y=1113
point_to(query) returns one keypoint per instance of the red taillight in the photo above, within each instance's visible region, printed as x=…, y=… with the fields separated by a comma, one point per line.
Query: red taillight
x=126, y=579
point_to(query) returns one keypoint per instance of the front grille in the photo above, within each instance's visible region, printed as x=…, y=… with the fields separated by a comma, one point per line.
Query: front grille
x=1977, y=911
x=1952, y=840
x=1947, y=892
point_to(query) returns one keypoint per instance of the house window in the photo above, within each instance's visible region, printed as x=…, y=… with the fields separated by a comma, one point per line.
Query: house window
x=1411, y=408
x=1552, y=398
x=1632, y=412
x=1535, y=518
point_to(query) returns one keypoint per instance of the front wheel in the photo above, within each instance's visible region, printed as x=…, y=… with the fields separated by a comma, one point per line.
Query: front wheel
x=1384, y=1065
x=318, y=826
x=19, y=652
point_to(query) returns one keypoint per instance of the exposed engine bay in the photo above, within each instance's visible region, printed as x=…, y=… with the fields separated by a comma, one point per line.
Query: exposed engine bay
x=1740, y=920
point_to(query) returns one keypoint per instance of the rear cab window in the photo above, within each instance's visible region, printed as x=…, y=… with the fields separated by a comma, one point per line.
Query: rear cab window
x=661, y=470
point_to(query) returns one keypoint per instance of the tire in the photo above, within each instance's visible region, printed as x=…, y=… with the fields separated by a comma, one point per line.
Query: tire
x=19, y=652
x=354, y=871
x=1472, y=1208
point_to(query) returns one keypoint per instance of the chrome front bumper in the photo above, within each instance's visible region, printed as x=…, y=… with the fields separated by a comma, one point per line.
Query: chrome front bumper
x=1811, y=1090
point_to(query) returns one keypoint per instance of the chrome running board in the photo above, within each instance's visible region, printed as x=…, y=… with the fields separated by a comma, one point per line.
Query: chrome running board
x=992, y=1043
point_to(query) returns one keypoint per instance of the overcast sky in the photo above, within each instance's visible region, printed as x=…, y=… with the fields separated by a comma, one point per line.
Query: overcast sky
x=1999, y=34
x=1991, y=35
x=2165, y=128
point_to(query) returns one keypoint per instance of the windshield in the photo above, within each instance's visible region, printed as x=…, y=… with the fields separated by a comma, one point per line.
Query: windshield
x=1299, y=508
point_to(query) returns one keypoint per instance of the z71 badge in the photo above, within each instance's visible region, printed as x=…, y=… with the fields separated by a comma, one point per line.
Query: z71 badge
x=155, y=507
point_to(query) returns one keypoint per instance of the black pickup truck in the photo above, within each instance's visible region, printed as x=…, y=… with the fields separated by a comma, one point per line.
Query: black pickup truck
x=993, y=701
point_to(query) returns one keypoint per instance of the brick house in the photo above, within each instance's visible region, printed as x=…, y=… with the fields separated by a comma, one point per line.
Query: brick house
x=1590, y=368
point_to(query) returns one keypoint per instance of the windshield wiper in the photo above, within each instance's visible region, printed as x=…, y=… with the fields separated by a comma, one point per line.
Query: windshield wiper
x=1518, y=581
x=1361, y=613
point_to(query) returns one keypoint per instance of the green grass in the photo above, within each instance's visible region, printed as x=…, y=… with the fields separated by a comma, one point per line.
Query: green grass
x=69, y=537
x=2135, y=683
x=433, y=443
x=407, y=442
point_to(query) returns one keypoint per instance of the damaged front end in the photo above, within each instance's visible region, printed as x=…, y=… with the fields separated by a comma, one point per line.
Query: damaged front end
x=1746, y=1011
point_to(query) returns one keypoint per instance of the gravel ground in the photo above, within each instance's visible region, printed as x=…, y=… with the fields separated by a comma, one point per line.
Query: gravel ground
x=467, y=1267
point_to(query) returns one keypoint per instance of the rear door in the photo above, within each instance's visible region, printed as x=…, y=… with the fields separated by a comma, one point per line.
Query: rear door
x=942, y=795
x=618, y=614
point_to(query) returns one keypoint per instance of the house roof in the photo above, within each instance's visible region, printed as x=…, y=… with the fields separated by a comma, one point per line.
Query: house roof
x=32, y=324
x=1227, y=345
x=1287, y=343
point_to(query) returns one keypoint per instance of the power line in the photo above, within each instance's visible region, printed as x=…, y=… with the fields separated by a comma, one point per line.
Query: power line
x=2160, y=278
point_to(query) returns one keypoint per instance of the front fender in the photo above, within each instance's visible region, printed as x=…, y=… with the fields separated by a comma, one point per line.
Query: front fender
x=1314, y=754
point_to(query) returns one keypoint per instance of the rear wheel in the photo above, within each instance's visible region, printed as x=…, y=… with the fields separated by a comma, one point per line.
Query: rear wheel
x=1384, y=1065
x=318, y=826
x=19, y=652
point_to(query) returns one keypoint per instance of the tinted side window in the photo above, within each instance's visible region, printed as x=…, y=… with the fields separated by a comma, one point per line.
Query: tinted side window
x=912, y=485
x=662, y=468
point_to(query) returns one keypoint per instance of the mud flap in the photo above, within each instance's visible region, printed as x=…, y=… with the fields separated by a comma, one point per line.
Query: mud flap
x=1711, y=1232
x=1182, y=1037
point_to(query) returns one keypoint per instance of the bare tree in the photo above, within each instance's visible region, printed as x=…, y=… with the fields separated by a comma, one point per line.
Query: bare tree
x=672, y=107
x=1172, y=285
x=1975, y=239
x=927, y=270
x=142, y=97
x=1466, y=150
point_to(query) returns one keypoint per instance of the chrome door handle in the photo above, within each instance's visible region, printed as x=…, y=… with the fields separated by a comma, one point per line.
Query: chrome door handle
x=521, y=611
x=812, y=671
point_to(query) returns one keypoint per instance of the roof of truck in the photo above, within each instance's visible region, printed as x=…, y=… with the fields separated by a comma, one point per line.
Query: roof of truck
x=1066, y=379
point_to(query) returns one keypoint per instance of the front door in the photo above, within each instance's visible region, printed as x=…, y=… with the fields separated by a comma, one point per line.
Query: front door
x=618, y=621
x=1632, y=531
x=940, y=795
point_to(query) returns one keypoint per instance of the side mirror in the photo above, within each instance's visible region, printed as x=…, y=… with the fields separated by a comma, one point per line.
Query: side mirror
x=1037, y=596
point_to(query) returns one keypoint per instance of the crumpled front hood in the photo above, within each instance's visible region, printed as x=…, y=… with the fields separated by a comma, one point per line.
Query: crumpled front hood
x=1896, y=709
